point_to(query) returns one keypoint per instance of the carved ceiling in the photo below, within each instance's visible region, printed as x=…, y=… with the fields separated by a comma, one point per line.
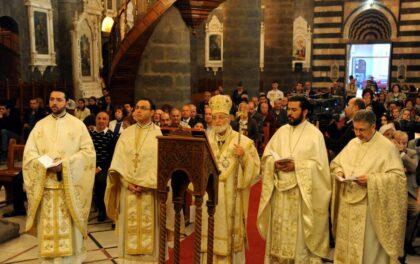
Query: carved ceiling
x=194, y=12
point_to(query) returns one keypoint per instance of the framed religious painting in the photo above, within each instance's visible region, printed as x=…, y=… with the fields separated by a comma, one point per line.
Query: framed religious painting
x=214, y=44
x=41, y=34
x=402, y=72
x=301, y=44
x=86, y=50
x=215, y=47
x=334, y=72
x=85, y=55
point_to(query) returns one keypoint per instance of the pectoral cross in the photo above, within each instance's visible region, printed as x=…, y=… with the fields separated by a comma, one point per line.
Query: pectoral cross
x=136, y=161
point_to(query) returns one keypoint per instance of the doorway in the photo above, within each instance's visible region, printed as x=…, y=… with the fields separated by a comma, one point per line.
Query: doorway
x=369, y=62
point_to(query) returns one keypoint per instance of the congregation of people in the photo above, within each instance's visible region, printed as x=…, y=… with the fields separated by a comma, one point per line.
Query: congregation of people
x=346, y=185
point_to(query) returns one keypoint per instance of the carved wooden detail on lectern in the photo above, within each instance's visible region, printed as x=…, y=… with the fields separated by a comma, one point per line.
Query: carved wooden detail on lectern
x=183, y=160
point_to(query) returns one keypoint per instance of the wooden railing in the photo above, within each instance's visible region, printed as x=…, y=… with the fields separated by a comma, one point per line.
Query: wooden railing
x=21, y=92
x=128, y=15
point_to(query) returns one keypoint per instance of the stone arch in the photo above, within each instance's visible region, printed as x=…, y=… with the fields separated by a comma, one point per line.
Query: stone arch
x=374, y=22
x=370, y=25
x=9, y=49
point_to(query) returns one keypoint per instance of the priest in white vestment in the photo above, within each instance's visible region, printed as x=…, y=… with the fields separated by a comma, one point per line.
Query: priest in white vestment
x=233, y=159
x=131, y=194
x=59, y=197
x=296, y=191
x=370, y=197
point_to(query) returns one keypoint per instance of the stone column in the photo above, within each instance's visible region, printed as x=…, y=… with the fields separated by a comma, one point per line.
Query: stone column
x=241, y=33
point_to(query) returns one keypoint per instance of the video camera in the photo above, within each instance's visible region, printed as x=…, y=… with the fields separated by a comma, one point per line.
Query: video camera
x=325, y=110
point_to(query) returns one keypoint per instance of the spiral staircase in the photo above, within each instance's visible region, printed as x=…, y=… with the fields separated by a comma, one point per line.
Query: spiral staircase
x=134, y=24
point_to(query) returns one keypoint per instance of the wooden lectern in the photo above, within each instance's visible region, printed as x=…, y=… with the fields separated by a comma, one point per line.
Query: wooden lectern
x=184, y=159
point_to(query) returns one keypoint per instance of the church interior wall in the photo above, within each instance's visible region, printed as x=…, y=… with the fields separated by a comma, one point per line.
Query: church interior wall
x=241, y=55
x=278, y=21
x=16, y=11
x=164, y=73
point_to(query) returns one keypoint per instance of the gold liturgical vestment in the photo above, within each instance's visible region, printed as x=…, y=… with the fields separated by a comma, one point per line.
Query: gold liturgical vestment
x=369, y=222
x=136, y=216
x=248, y=171
x=293, y=210
x=61, y=209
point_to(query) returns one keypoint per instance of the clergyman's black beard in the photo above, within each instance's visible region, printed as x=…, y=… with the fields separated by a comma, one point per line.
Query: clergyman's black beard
x=296, y=121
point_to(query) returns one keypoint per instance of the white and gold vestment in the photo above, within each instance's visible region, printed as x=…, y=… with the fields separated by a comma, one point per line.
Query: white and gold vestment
x=369, y=222
x=136, y=216
x=248, y=171
x=293, y=210
x=60, y=208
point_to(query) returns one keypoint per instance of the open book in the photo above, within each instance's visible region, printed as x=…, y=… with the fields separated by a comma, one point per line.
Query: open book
x=347, y=179
x=48, y=162
x=278, y=159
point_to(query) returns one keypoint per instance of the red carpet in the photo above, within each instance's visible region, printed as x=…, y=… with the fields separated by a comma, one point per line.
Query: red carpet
x=255, y=253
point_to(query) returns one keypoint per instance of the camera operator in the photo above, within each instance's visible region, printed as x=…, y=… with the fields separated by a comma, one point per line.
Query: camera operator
x=337, y=138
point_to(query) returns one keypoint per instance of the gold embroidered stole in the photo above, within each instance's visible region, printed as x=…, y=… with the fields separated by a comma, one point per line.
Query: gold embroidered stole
x=350, y=232
x=55, y=224
x=284, y=223
x=139, y=222
x=223, y=225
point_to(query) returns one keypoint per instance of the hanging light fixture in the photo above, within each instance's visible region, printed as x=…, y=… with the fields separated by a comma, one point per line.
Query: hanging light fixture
x=107, y=24
x=371, y=2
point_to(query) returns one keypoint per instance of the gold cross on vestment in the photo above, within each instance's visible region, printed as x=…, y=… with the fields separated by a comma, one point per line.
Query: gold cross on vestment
x=136, y=161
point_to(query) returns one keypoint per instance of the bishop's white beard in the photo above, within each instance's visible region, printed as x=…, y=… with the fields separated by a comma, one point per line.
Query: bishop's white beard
x=221, y=129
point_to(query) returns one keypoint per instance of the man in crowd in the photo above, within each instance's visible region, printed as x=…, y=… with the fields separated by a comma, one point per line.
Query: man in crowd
x=131, y=196
x=59, y=196
x=369, y=203
x=280, y=114
x=128, y=109
x=237, y=93
x=274, y=93
x=194, y=116
x=165, y=120
x=235, y=158
x=32, y=116
x=186, y=120
x=295, y=197
x=10, y=126
x=410, y=161
x=351, y=88
x=204, y=103
x=336, y=139
x=208, y=118
x=102, y=101
x=175, y=117
x=103, y=140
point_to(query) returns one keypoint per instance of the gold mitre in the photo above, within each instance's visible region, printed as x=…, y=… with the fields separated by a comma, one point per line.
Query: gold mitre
x=220, y=104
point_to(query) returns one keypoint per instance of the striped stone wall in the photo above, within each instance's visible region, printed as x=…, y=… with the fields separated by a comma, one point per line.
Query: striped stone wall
x=399, y=25
x=327, y=44
x=407, y=48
